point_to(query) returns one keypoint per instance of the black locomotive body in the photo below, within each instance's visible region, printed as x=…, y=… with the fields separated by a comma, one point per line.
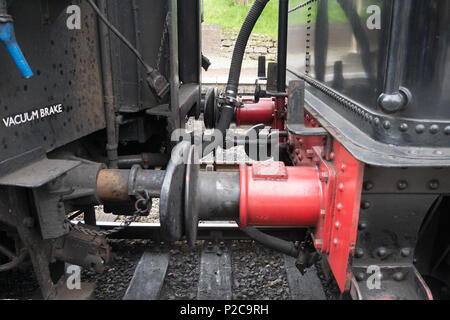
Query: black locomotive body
x=360, y=96
x=378, y=79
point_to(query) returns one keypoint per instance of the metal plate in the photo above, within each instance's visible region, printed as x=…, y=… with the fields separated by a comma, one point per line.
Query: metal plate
x=191, y=211
x=171, y=206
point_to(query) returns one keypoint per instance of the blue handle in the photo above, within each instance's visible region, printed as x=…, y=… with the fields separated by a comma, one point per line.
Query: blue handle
x=9, y=40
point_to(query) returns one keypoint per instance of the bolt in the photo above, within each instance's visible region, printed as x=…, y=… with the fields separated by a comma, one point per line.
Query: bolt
x=368, y=185
x=405, y=252
x=341, y=187
x=404, y=127
x=359, y=252
x=382, y=251
x=332, y=156
x=360, y=276
x=362, y=226
x=343, y=167
x=365, y=205
x=420, y=128
x=434, y=129
x=335, y=242
x=337, y=224
x=339, y=206
x=402, y=185
x=318, y=243
x=324, y=176
x=398, y=276
x=433, y=184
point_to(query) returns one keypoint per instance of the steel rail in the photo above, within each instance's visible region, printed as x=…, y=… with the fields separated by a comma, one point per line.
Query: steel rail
x=210, y=230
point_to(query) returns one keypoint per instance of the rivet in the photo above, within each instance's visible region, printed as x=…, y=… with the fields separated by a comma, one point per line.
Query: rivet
x=331, y=155
x=365, y=205
x=376, y=121
x=398, y=276
x=339, y=206
x=402, y=185
x=447, y=130
x=434, y=129
x=368, y=185
x=382, y=251
x=404, y=127
x=341, y=187
x=387, y=125
x=420, y=128
x=359, y=253
x=343, y=167
x=433, y=184
x=335, y=241
x=360, y=276
x=337, y=224
x=405, y=252
x=318, y=243
x=362, y=226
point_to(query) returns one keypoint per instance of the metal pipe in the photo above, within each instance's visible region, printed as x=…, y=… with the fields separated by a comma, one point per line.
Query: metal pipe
x=115, y=185
x=283, y=10
x=394, y=97
x=146, y=160
x=255, y=113
x=108, y=92
x=218, y=195
x=3, y=10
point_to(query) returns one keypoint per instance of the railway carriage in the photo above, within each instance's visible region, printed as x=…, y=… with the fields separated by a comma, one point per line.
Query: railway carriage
x=91, y=93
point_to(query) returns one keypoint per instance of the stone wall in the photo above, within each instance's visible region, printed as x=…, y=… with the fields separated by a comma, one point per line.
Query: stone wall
x=258, y=44
x=218, y=42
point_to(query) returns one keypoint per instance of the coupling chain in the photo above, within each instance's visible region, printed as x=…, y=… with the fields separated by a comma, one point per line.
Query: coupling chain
x=141, y=206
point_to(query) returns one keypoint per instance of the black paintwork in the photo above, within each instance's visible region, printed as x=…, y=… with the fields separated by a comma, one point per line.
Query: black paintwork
x=341, y=52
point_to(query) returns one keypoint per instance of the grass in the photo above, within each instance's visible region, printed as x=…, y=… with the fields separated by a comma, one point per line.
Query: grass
x=231, y=17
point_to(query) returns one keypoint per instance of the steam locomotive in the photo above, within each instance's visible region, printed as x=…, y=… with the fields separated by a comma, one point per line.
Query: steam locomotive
x=91, y=93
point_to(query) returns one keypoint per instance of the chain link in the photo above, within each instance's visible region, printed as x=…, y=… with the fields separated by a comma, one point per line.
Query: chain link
x=105, y=233
x=163, y=41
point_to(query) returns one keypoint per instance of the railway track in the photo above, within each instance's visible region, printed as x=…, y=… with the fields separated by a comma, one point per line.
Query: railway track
x=216, y=268
x=215, y=277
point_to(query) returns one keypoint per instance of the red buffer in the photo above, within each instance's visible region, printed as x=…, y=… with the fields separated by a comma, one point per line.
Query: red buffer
x=254, y=113
x=275, y=195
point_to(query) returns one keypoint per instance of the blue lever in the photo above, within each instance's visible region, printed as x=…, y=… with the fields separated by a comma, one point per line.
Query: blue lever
x=8, y=38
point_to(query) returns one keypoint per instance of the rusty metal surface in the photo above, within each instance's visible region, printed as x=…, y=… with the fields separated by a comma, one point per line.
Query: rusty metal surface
x=84, y=250
x=112, y=185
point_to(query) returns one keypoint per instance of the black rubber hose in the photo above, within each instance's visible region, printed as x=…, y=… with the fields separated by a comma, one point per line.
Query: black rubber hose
x=241, y=44
x=227, y=111
x=271, y=242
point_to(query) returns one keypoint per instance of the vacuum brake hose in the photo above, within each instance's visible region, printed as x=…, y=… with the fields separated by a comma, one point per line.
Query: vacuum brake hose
x=227, y=112
x=271, y=242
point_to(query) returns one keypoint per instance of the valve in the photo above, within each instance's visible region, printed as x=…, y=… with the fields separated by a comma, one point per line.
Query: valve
x=7, y=36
